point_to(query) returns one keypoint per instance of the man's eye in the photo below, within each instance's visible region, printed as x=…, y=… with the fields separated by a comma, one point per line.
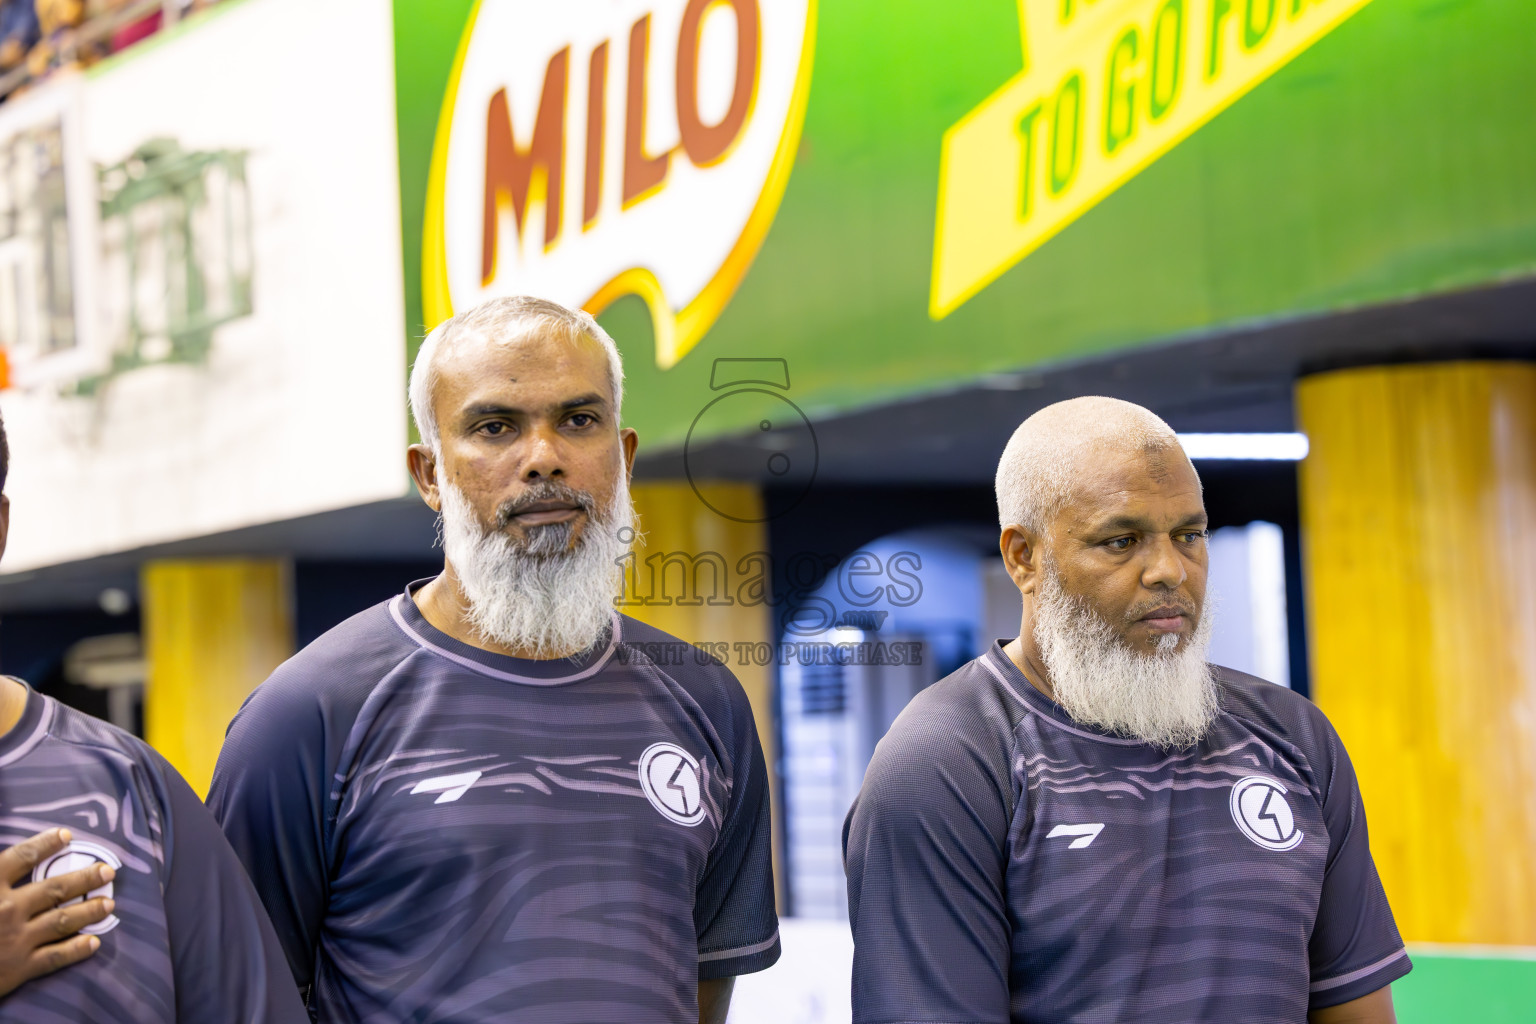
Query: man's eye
x=583, y=419
x=1118, y=544
x=494, y=428
x=1192, y=536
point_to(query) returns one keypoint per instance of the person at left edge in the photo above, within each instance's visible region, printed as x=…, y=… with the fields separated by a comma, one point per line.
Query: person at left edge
x=492, y=798
x=186, y=940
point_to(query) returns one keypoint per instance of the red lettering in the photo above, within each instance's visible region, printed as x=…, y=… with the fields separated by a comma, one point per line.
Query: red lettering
x=597, y=103
x=706, y=144
x=642, y=173
x=513, y=175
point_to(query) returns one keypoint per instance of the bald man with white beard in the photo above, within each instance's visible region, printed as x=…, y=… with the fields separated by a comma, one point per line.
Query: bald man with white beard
x=1089, y=822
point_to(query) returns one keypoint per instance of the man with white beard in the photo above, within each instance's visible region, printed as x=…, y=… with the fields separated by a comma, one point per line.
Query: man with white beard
x=482, y=800
x=1089, y=822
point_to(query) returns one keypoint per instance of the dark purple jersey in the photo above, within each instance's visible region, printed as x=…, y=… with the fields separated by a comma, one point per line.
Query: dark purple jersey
x=1008, y=865
x=442, y=834
x=188, y=941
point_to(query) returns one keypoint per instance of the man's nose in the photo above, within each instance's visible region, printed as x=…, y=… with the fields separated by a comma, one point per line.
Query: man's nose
x=543, y=458
x=1164, y=569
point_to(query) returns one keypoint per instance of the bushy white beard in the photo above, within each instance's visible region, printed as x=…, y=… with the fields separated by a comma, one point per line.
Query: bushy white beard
x=539, y=596
x=1166, y=698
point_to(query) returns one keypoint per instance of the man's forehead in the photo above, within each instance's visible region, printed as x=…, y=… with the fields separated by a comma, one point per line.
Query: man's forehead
x=522, y=362
x=1115, y=483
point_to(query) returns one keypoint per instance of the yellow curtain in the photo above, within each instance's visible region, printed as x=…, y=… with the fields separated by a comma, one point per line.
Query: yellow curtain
x=1418, y=509
x=213, y=630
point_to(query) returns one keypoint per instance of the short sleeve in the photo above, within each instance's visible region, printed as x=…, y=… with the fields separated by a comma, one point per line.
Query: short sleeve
x=227, y=962
x=268, y=798
x=1355, y=948
x=734, y=912
x=924, y=847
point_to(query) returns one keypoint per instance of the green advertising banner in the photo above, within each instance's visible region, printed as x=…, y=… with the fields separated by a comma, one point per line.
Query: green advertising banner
x=896, y=199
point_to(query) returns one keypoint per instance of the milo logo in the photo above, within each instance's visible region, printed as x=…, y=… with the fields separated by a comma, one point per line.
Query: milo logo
x=591, y=151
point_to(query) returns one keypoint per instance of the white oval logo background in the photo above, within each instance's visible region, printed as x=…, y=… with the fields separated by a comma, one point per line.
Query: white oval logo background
x=669, y=775
x=1260, y=809
x=73, y=857
x=683, y=244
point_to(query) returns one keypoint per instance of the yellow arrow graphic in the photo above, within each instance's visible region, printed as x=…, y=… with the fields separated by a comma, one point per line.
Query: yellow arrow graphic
x=1108, y=86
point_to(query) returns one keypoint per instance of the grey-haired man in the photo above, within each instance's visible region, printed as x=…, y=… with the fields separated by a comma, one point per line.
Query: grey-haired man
x=481, y=800
x=1089, y=822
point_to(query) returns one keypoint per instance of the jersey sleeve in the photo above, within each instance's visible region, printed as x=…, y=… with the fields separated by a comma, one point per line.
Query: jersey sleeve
x=734, y=914
x=1355, y=948
x=269, y=797
x=225, y=958
x=924, y=848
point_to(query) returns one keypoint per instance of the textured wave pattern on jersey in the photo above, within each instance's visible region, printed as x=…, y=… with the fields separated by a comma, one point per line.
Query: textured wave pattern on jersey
x=187, y=940
x=1005, y=863
x=100, y=795
x=570, y=842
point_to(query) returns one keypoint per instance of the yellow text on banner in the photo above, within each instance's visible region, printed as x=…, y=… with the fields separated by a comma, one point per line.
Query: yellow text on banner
x=1108, y=86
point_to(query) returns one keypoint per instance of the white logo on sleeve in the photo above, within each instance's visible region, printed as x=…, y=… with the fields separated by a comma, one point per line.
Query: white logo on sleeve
x=669, y=775
x=73, y=857
x=450, y=786
x=1085, y=834
x=1261, y=812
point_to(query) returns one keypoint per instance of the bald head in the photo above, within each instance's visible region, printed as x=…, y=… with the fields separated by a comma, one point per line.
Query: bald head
x=1050, y=451
x=503, y=321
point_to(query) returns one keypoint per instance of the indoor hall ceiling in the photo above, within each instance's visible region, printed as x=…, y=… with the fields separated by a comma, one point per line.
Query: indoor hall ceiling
x=400, y=530
x=1236, y=380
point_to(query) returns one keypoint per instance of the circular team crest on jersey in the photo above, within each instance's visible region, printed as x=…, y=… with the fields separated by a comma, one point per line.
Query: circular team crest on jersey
x=73, y=857
x=1260, y=809
x=670, y=777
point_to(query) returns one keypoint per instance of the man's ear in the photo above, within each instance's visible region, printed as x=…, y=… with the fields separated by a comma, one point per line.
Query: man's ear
x=1022, y=556
x=629, y=440
x=5, y=520
x=422, y=463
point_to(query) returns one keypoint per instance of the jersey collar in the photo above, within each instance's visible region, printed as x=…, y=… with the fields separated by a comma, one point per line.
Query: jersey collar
x=500, y=666
x=1002, y=668
x=29, y=729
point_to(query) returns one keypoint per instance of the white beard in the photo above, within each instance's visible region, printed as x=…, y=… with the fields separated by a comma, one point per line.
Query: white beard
x=1167, y=698
x=538, y=596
